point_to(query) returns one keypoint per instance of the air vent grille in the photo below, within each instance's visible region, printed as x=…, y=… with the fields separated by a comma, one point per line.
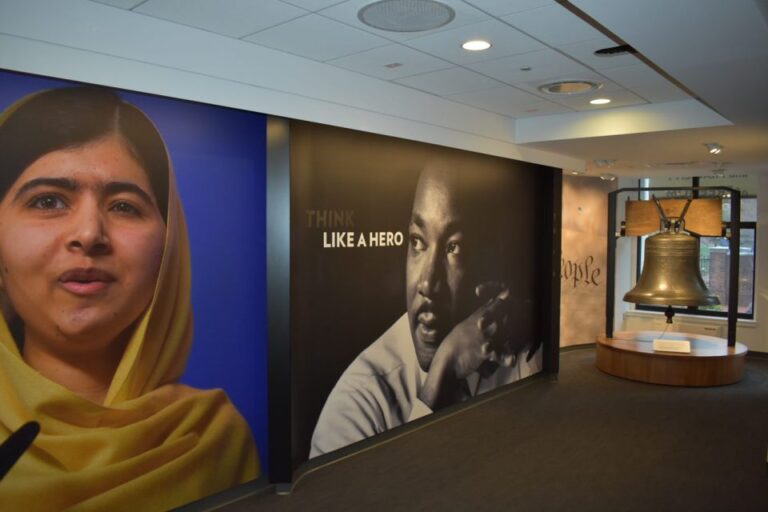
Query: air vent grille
x=406, y=15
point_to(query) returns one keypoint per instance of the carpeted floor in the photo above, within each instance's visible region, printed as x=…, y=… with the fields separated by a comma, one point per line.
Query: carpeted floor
x=585, y=442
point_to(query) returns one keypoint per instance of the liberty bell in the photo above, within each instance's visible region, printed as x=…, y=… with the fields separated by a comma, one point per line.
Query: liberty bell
x=670, y=273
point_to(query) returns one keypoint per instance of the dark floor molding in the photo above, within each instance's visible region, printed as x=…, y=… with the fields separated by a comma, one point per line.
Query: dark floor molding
x=229, y=496
x=580, y=346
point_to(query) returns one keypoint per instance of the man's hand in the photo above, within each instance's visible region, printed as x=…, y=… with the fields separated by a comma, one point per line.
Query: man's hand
x=485, y=338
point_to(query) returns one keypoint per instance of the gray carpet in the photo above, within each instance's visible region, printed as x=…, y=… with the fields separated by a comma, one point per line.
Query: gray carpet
x=586, y=442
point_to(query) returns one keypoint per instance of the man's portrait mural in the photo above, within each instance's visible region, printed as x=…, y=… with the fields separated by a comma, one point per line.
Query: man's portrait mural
x=416, y=281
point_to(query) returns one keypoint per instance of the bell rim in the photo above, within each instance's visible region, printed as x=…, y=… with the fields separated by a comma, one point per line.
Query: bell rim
x=710, y=300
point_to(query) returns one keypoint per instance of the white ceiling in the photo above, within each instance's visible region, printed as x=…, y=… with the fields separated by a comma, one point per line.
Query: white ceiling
x=536, y=34
x=718, y=49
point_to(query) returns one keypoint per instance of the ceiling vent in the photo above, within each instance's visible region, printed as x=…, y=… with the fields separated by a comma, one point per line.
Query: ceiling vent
x=406, y=15
x=615, y=51
x=568, y=87
x=604, y=162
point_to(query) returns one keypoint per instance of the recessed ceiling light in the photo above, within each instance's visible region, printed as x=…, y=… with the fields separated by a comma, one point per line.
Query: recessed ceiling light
x=714, y=148
x=476, y=45
x=606, y=176
x=568, y=87
x=600, y=101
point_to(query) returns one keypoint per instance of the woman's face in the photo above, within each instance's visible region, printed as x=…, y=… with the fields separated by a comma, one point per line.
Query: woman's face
x=81, y=239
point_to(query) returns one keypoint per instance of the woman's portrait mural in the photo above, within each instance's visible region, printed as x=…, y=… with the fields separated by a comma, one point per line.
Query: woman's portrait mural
x=132, y=286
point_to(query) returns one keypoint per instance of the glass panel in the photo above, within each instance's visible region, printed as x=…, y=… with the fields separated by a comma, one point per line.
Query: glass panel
x=748, y=209
x=746, y=184
x=714, y=265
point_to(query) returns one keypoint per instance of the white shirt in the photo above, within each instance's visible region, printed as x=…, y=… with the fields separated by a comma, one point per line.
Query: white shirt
x=380, y=389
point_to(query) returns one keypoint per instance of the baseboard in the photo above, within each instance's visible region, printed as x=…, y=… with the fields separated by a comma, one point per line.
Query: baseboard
x=581, y=346
x=229, y=496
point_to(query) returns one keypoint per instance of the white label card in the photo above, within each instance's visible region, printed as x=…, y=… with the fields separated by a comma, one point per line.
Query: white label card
x=682, y=346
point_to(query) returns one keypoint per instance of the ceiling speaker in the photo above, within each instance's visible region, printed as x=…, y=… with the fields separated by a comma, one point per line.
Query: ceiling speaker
x=406, y=15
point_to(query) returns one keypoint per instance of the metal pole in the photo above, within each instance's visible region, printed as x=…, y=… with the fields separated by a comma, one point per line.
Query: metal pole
x=279, y=300
x=610, y=282
x=734, y=245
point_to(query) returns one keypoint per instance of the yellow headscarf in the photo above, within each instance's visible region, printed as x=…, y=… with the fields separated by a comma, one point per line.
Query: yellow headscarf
x=153, y=444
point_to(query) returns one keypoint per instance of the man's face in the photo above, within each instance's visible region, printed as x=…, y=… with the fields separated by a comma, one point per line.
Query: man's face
x=440, y=279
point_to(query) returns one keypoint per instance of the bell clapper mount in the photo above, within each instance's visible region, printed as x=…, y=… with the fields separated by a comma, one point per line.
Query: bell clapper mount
x=671, y=224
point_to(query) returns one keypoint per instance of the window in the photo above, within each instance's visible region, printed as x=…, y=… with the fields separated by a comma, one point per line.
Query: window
x=714, y=252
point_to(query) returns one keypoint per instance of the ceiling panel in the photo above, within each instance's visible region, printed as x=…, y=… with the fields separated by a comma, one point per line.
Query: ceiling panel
x=450, y=81
x=313, y=5
x=542, y=64
x=123, y=4
x=503, y=100
x=646, y=83
x=543, y=108
x=316, y=37
x=618, y=97
x=234, y=18
x=502, y=7
x=584, y=52
x=553, y=24
x=382, y=62
x=505, y=41
x=346, y=12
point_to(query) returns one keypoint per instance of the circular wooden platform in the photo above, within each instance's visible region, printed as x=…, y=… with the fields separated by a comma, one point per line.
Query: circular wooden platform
x=630, y=355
